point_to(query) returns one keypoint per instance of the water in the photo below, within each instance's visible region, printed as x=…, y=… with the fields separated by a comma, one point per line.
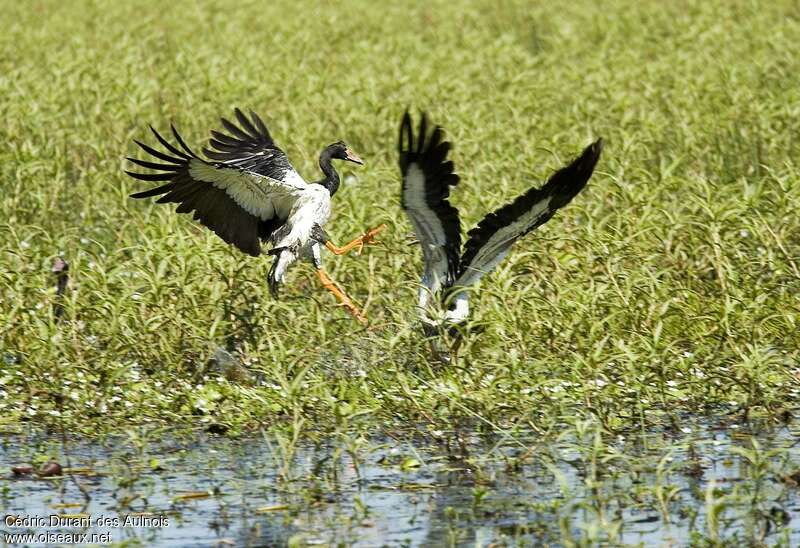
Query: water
x=652, y=490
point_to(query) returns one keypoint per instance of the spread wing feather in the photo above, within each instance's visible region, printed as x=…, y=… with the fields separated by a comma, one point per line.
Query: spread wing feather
x=492, y=239
x=249, y=146
x=427, y=178
x=244, y=194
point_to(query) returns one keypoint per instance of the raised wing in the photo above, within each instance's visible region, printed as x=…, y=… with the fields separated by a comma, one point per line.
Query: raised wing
x=244, y=196
x=492, y=239
x=250, y=147
x=427, y=178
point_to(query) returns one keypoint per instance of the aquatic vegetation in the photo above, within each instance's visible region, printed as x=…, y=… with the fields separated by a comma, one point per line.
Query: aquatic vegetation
x=670, y=287
x=583, y=488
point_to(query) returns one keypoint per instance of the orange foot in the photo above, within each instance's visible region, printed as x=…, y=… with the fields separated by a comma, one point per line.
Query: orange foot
x=366, y=238
x=345, y=301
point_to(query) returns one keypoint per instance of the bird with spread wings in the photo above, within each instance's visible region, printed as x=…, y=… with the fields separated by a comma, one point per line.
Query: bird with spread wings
x=448, y=273
x=247, y=192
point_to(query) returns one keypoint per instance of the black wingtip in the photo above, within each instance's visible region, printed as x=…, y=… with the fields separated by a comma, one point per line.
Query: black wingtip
x=166, y=144
x=245, y=123
x=150, y=176
x=138, y=195
x=406, y=134
x=173, y=167
x=568, y=181
x=423, y=132
x=406, y=119
x=261, y=127
x=596, y=147
x=181, y=141
x=156, y=133
x=591, y=155
x=436, y=137
x=153, y=191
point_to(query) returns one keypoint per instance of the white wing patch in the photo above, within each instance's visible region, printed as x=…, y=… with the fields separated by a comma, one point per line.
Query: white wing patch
x=294, y=180
x=414, y=201
x=498, y=246
x=260, y=196
x=428, y=228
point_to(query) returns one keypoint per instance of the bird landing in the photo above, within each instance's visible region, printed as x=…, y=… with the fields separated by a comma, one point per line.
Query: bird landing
x=451, y=269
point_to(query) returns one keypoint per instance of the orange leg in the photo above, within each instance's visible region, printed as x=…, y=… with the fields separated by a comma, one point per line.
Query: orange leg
x=344, y=299
x=366, y=238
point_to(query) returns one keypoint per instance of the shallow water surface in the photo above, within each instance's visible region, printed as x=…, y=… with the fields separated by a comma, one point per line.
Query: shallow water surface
x=657, y=489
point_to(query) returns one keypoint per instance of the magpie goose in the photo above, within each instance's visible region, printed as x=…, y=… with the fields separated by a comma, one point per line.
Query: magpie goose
x=427, y=178
x=246, y=191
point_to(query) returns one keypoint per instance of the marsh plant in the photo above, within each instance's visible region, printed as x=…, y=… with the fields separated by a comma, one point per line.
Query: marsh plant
x=668, y=287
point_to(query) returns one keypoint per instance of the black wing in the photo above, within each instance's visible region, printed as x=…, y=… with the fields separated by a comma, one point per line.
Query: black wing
x=249, y=146
x=242, y=199
x=492, y=239
x=427, y=178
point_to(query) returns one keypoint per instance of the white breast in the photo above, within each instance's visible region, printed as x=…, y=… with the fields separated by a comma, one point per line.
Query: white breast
x=312, y=207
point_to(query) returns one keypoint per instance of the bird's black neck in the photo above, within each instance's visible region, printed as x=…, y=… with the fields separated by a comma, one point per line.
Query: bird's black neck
x=331, y=180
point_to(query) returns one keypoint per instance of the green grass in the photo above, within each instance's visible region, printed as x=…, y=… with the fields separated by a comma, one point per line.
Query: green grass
x=669, y=285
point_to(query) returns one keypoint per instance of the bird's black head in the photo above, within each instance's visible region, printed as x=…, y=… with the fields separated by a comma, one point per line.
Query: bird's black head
x=341, y=151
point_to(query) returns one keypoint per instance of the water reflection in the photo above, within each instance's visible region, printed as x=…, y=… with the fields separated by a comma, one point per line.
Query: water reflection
x=650, y=490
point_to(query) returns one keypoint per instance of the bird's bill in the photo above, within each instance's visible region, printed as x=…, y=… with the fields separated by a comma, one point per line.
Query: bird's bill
x=353, y=157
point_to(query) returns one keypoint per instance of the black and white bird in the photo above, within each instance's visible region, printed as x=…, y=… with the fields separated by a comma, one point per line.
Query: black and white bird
x=427, y=178
x=247, y=192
